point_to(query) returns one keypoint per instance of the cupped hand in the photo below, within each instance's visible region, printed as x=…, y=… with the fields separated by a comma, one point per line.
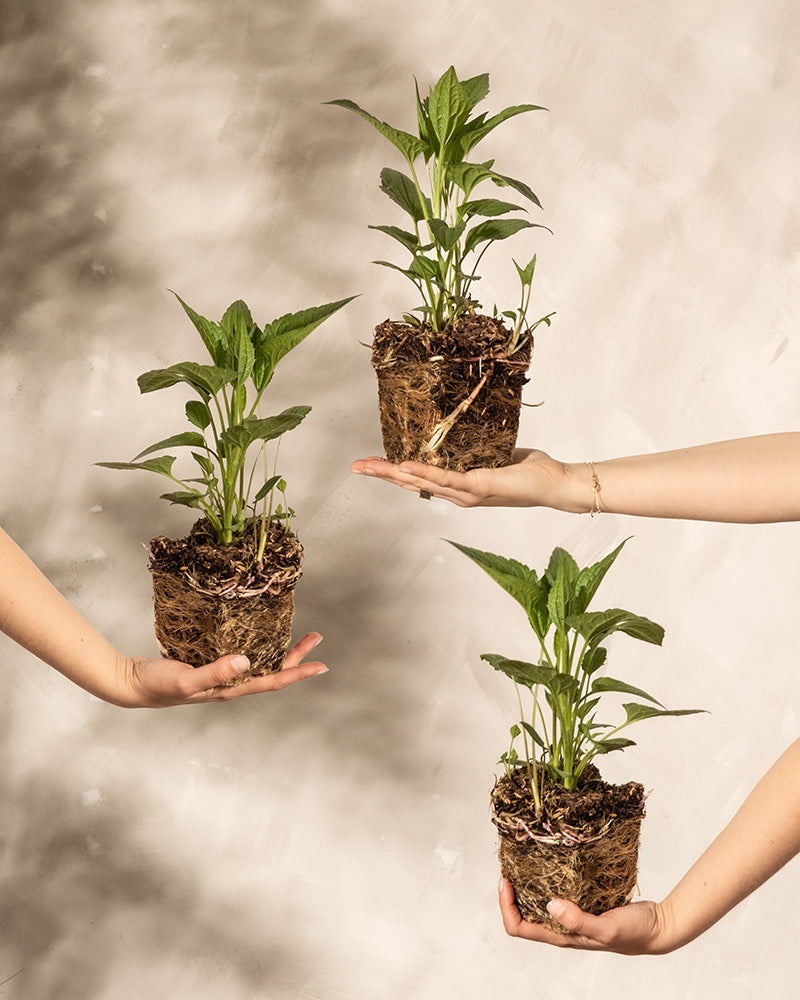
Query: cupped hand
x=159, y=683
x=534, y=479
x=639, y=928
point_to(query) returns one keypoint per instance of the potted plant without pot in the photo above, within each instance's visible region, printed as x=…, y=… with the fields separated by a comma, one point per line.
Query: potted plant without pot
x=229, y=585
x=450, y=379
x=564, y=832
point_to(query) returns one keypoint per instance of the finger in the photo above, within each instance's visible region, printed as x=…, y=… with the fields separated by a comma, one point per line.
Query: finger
x=270, y=682
x=578, y=922
x=515, y=926
x=214, y=674
x=300, y=649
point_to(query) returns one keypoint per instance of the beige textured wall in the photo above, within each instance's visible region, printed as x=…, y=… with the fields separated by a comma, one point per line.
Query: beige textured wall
x=333, y=842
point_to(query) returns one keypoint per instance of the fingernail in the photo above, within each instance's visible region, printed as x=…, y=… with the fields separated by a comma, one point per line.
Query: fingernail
x=317, y=641
x=322, y=670
x=500, y=885
x=240, y=664
x=556, y=908
x=356, y=472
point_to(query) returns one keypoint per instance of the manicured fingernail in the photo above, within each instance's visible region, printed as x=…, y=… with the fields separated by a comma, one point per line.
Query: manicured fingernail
x=240, y=664
x=556, y=908
x=322, y=670
x=357, y=472
x=500, y=885
x=317, y=641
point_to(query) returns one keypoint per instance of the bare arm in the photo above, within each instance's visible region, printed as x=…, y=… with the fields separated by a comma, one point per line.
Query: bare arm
x=758, y=841
x=747, y=480
x=38, y=617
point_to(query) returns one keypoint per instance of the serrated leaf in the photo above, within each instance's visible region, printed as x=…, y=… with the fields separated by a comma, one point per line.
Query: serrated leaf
x=516, y=579
x=162, y=465
x=448, y=106
x=264, y=429
x=285, y=333
x=590, y=578
x=403, y=192
x=468, y=175
x=595, y=626
x=603, y=685
x=210, y=333
x=409, y=240
x=526, y=674
x=473, y=136
x=561, y=573
x=489, y=207
x=494, y=229
x=187, y=439
x=409, y=145
x=476, y=89
x=198, y=413
x=206, y=379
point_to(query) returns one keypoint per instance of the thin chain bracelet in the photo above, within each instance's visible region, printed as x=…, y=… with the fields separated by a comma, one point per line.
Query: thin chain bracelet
x=595, y=509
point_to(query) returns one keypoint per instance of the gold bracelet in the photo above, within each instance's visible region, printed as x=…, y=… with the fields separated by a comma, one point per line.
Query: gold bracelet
x=595, y=509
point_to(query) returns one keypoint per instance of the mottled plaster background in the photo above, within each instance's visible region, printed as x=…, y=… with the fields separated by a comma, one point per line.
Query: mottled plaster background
x=332, y=842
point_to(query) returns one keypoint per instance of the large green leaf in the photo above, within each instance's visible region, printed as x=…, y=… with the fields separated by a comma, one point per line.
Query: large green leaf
x=494, y=229
x=210, y=333
x=446, y=236
x=595, y=626
x=448, y=106
x=474, y=135
x=285, y=333
x=516, y=579
x=601, y=685
x=476, y=88
x=242, y=435
x=238, y=325
x=206, y=379
x=561, y=574
x=468, y=175
x=403, y=192
x=590, y=578
x=162, y=465
x=188, y=438
x=527, y=674
x=409, y=145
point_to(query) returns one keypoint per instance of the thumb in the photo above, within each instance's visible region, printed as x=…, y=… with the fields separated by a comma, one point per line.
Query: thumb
x=573, y=918
x=220, y=671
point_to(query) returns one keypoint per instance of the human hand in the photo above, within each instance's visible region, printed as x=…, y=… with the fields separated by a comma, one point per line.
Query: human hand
x=159, y=683
x=640, y=928
x=534, y=479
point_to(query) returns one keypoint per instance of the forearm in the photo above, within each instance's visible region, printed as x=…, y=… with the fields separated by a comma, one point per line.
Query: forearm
x=38, y=617
x=758, y=841
x=748, y=480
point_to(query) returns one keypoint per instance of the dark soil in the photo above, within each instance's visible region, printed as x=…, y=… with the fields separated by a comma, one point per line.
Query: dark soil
x=424, y=377
x=213, y=599
x=583, y=847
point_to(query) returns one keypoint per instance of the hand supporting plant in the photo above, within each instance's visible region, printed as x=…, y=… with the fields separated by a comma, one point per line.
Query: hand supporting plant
x=449, y=224
x=228, y=421
x=565, y=728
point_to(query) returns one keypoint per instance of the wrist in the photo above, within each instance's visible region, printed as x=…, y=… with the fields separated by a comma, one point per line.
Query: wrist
x=578, y=493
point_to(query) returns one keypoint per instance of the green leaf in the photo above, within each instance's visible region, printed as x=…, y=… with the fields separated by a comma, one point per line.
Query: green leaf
x=285, y=333
x=206, y=379
x=526, y=674
x=187, y=439
x=514, y=731
x=605, y=684
x=526, y=273
x=537, y=739
x=448, y=106
x=476, y=88
x=593, y=659
x=409, y=240
x=409, y=145
x=423, y=267
x=635, y=712
x=264, y=429
x=595, y=626
x=184, y=498
x=502, y=181
x=494, y=229
x=590, y=578
x=587, y=706
x=205, y=464
x=403, y=192
x=489, y=207
x=561, y=573
x=210, y=333
x=611, y=744
x=267, y=488
x=446, y=236
x=237, y=319
x=162, y=465
x=198, y=413
x=475, y=135
x=468, y=175
x=516, y=579
x=237, y=323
